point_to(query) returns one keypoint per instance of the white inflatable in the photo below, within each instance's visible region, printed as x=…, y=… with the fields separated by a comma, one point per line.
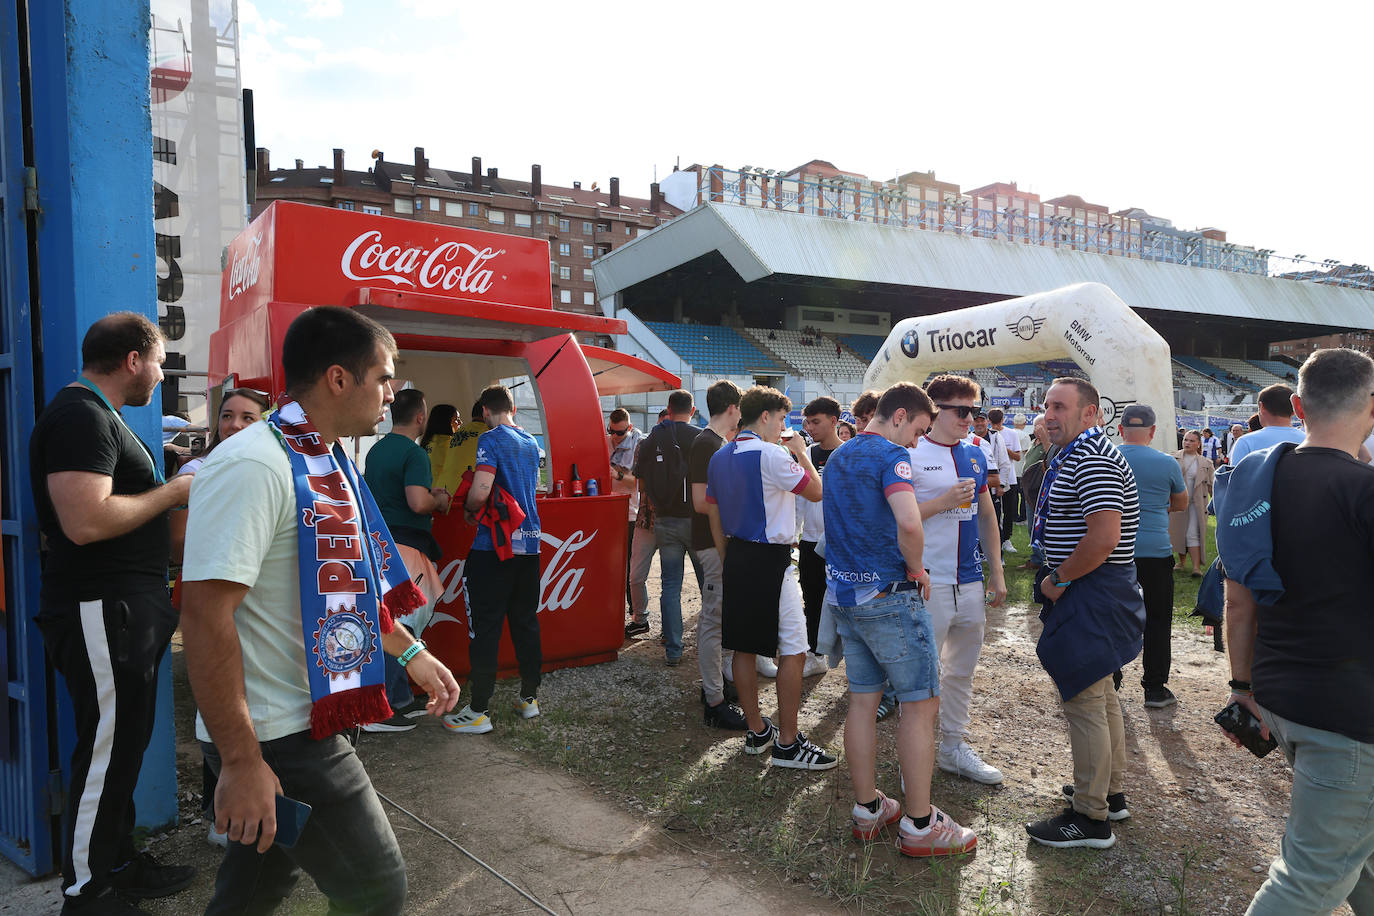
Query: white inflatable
x=1123, y=356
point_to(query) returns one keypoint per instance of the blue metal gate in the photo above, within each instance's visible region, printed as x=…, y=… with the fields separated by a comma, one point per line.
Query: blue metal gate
x=29, y=791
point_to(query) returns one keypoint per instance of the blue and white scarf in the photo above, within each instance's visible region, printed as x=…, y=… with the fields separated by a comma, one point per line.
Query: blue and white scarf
x=1052, y=472
x=352, y=585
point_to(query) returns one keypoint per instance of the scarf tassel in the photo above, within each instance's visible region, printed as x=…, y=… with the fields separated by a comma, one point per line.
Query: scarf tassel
x=341, y=711
x=400, y=601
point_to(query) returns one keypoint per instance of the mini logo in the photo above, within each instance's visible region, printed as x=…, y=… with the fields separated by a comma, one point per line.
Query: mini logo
x=344, y=642
x=1110, y=410
x=911, y=343
x=1025, y=327
x=903, y=470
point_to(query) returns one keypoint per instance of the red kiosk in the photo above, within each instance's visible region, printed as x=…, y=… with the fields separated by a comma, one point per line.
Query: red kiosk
x=467, y=308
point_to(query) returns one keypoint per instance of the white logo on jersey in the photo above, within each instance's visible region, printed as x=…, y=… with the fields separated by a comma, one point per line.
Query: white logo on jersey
x=903, y=470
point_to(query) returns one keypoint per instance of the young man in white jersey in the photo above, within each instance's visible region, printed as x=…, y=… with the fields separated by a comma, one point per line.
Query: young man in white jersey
x=952, y=490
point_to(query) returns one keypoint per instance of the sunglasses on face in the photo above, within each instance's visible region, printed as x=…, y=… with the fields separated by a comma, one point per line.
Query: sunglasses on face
x=963, y=411
x=617, y=432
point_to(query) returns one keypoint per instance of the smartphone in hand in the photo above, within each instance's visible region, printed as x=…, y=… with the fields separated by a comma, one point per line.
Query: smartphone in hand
x=1241, y=722
x=291, y=818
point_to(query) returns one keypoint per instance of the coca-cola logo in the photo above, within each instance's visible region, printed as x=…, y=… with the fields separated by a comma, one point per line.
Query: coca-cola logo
x=560, y=584
x=243, y=272
x=446, y=266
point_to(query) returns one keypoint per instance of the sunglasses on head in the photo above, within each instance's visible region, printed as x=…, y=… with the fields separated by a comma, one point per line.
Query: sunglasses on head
x=961, y=410
x=617, y=432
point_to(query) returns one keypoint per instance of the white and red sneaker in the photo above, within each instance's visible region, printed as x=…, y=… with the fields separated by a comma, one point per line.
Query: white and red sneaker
x=942, y=837
x=867, y=825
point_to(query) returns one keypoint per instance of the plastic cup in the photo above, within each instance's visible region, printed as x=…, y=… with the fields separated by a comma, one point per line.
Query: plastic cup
x=968, y=504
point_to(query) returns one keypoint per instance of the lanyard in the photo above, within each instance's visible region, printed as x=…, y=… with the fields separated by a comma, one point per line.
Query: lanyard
x=1051, y=474
x=157, y=468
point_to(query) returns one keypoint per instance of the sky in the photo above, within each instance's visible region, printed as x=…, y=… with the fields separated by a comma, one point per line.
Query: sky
x=1250, y=117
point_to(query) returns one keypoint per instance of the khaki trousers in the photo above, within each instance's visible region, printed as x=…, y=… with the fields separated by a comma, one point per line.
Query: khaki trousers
x=1097, y=739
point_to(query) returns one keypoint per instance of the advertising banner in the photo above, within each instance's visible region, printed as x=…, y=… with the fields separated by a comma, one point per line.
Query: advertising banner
x=198, y=172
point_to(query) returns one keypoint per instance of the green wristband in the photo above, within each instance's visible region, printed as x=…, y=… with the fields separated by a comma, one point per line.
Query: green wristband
x=413, y=650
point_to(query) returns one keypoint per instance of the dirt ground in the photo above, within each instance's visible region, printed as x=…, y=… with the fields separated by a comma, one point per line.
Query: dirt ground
x=619, y=800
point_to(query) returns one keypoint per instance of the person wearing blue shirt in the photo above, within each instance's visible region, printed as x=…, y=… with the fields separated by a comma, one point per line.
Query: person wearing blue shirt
x=502, y=591
x=1276, y=423
x=1159, y=482
x=876, y=584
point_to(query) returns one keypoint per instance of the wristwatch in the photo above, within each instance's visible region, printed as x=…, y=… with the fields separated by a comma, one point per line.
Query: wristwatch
x=1054, y=578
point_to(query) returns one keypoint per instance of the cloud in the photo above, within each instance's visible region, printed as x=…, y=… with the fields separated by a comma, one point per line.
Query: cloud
x=303, y=44
x=430, y=9
x=323, y=9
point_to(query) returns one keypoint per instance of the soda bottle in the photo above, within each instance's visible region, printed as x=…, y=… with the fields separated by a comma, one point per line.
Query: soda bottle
x=576, y=482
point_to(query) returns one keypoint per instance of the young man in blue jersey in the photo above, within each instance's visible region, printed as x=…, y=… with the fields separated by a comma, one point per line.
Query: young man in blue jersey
x=875, y=583
x=502, y=591
x=951, y=480
x=751, y=485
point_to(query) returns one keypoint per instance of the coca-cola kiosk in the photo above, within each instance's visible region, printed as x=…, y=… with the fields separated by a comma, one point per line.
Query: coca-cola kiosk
x=467, y=308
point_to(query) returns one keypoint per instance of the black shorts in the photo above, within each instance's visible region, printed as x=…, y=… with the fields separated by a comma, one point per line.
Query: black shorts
x=751, y=590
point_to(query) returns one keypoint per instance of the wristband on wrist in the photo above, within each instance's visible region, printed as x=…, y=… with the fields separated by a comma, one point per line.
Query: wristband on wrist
x=1240, y=686
x=411, y=651
x=1054, y=578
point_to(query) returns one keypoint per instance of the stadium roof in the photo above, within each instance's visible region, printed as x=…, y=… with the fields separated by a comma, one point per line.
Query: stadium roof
x=862, y=259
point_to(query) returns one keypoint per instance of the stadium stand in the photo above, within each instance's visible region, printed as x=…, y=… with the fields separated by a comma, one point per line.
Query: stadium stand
x=1190, y=379
x=1024, y=373
x=1247, y=370
x=1283, y=371
x=816, y=360
x=1216, y=372
x=714, y=350
x=866, y=345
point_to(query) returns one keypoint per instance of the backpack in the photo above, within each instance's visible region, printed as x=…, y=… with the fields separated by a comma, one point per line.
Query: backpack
x=666, y=480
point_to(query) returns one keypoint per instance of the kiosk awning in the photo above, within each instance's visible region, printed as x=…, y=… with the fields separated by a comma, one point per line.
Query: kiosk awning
x=440, y=316
x=621, y=373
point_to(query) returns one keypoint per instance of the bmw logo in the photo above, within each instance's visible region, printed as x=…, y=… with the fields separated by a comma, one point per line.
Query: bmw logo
x=911, y=343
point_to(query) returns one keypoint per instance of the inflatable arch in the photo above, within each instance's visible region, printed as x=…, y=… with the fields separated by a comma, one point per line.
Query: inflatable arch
x=1122, y=355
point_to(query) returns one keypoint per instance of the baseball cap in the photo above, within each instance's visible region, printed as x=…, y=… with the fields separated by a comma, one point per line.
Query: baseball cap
x=1138, y=416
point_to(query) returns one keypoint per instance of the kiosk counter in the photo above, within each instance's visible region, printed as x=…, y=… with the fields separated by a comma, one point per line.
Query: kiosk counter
x=467, y=308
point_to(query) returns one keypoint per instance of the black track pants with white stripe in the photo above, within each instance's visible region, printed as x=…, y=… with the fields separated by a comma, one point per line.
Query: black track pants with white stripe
x=108, y=652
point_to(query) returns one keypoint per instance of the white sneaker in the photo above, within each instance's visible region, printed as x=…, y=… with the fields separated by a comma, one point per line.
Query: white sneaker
x=1007, y=547
x=814, y=665
x=964, y=762
x=528, y=707
x=766, y=666
x=467, y=722
x=727, y=667
x=215, y=838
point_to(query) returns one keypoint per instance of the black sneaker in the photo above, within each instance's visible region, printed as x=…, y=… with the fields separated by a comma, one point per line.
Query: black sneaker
x=144, y=877
x=635, y=627
x=802, y=755
x=1159, y=697
x=725, y=716
x=397, y=723
x=758, y=742
x=1116, y=804
x=415, y=708
x=1072, y=829
x=106, y=904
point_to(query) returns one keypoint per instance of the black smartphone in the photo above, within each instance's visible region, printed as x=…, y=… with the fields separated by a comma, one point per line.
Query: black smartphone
x=1241, y=722
x=291, y=818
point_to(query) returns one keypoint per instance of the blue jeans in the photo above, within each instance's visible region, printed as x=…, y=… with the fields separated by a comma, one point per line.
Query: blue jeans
x=347, y=845
x=890, y=640
x=1327, y=852
x=674, y=539
x=398, y=692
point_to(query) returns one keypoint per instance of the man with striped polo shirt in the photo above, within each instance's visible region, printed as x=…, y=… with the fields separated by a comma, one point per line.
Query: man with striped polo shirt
x=1094, y=617
x=875, y=581
x=951, y=480
x=750, y=488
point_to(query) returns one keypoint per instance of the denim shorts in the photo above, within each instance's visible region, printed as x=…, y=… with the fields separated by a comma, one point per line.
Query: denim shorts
x=890, y=639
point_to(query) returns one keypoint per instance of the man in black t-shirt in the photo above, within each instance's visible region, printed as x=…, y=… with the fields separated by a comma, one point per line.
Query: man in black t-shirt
x=722, y=400
x=105, y=613
x=1310, y=655
x=821, y=420
x=662, y=472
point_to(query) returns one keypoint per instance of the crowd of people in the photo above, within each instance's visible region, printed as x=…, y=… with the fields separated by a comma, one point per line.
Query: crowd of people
x=900, y=530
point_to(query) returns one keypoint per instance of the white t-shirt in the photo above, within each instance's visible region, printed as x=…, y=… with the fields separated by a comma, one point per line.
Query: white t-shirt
x=996, y=451
x=241, y=527
x=1023, y=437
x=1369, y=444
x=1012, y=443
x=951, y=537
x=754, y=482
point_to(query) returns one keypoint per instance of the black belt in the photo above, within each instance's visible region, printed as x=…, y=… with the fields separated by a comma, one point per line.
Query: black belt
x=905, y=586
